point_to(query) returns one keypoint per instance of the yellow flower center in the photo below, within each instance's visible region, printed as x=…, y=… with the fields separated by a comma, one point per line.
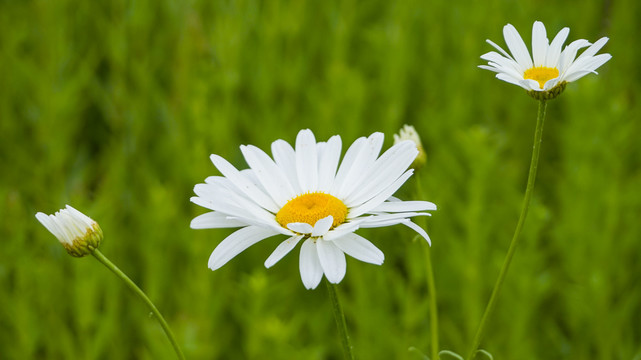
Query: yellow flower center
x=311, y=207
x=541, y=74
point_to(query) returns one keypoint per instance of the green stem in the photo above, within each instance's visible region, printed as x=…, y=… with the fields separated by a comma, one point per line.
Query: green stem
x=515, y=239
x=98, y=255
x=431, y=287
x=340, y=320
x=432, y=304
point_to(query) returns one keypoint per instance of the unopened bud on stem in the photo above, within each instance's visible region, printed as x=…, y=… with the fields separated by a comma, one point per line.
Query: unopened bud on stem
x=78, y=233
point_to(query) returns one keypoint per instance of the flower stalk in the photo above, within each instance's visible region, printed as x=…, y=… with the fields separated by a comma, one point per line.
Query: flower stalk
x=340, y=320
x=100, y=257
x=431, y=288
x=516, y=238
x=431, y=285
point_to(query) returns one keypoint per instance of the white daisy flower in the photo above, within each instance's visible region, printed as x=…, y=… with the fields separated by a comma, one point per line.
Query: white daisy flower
x=78, y=233
x=548, y=70
x=304, y=194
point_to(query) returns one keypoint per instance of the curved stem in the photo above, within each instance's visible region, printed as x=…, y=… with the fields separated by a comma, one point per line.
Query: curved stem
x=431, y=287
x=340, y=320
x=98, y=255
x=515, y=239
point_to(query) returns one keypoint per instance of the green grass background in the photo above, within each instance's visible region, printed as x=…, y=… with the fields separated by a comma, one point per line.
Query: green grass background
x=114, y=107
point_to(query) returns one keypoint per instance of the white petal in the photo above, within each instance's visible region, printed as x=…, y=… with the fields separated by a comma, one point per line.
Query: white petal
x=269, y=174
x=311, y=271
x=285, y=158
x=381, y=197
x=594, y=48
x=242, y=210
x=282, y=249
x=328, y=163
x=551, y=83
x=585, y=66
x=374, y=221
x=242, y=184
x=214, y=220
x=59, y=228
x=250, y=175
x=228, y=202
x=491, y=68
x=512, y=80
x=502, y=64
x=554, y=51
x=597, y=61
x=588, y=68
x=499, y=49
x=322, y=226
x=332, y=260
x=346, y=165
x=383, y=223
x=77, y=215
x=47, y=222
x=320, y=147
x=306, y=161
x=539, y=43
x=419, y=230
x=222, y=181
x=220, y=207
x=517, y=47
x=360, y=248
x=359, y=169
x=389, y=167
x=530, y=84
x=576, y=75
x=569, y=53
x=301, y=228
x=236, y=243
x=397, y=206
x=344, y=228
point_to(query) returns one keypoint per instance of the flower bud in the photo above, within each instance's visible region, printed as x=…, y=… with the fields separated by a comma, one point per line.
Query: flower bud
x=409, y=133
x=78, y=233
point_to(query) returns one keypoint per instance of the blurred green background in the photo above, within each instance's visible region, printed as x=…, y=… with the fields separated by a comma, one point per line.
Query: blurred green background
x=114, y=107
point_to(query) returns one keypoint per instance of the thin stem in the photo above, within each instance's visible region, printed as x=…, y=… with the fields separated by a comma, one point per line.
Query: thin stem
x=432, y=304
x=340, y=320
x=431, y=287
x=98, y=255
x=515, y=239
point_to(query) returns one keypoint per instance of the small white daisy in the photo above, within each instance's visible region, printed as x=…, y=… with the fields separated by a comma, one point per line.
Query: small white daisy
x=304, y=194
x=78, y=233
x=548, y=70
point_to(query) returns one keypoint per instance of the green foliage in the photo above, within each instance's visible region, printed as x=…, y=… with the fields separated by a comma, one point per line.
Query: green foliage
x=114, y=107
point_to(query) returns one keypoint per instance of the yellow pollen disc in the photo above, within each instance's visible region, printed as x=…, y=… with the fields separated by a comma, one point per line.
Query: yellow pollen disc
x=311, y=207
x=541, y=74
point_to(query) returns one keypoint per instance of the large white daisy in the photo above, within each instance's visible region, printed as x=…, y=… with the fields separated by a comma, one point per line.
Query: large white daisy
x=304, y=194
x=548, y=68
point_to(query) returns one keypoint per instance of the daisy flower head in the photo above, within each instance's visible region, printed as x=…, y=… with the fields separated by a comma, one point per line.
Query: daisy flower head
x=546, y=73
x=78, y=233
x=305, y=193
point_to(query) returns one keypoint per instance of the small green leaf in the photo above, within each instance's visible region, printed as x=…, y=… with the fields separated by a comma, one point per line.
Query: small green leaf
x=419, y=352
x=450, y=353
x=489, y=356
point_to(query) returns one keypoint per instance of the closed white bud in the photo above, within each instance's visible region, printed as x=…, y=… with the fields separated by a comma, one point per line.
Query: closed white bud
x=78, y=233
